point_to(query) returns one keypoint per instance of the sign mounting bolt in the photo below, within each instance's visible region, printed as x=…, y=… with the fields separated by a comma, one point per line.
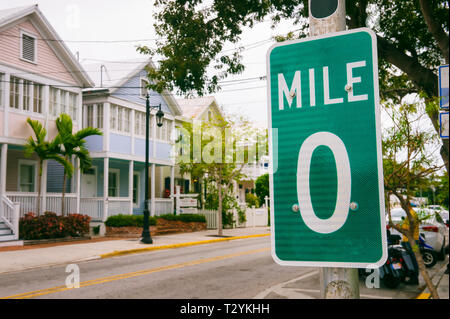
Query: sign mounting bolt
x=348, y=87
x=295, y=208
x=354, y=206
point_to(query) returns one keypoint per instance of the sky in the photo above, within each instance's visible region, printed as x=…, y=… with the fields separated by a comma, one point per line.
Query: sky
x=113, y=20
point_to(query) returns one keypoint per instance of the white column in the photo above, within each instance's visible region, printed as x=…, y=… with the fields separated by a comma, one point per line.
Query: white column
x=172, y=186
x=106, y=122
x=3, y=162
x=105, y=187
x=78, y=189
x=5, y=84
x=130, y=185
x=152, y=192
x=153, y=119
x=132, y=127
x=46, y=103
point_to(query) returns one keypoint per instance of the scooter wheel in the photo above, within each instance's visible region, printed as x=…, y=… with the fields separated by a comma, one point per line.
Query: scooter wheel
x=429, y=258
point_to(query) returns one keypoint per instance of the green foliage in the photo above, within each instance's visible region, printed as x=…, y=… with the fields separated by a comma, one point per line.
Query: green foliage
x=74, y=144
x=185, y=218
x=138, y=220
x=251, y=200
x=262, y=187
x=50, y=225
x=128, y=221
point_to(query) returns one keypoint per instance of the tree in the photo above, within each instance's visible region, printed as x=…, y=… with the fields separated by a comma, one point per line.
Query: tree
x=407, y=161
x=262, y=187
x=73, y=145
x=45, y=150
x=412, y=42
x=217, y=151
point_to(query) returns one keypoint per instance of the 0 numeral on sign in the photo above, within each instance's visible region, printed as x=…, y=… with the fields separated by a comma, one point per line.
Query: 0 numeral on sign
x=337, y=220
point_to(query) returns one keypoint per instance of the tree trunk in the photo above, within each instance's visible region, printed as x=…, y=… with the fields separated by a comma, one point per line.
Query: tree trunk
x=422, y=268
x=64, y=190
x=38, y=199
x=219, y=224
x=63, y=193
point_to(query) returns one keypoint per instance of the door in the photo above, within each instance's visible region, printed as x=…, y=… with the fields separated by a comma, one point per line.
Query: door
x=89, y=183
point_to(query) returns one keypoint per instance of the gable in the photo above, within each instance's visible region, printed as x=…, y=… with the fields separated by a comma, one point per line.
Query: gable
x=47, y=64
x=131, y=91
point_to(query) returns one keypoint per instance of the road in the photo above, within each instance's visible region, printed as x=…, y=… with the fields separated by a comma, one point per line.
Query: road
x=242, y=269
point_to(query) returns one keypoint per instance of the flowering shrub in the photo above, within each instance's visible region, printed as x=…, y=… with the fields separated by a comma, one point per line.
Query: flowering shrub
x=51, y=225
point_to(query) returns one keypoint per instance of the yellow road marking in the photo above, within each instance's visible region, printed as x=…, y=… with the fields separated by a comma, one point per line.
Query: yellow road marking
x=424, y=295
x=146, y=249
x=97, y=281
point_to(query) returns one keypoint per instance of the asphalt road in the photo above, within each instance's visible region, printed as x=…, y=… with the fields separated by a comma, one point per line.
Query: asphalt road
x=234, y=269
x=241, y=269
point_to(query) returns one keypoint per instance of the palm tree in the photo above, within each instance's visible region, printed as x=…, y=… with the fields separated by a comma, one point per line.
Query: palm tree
x=73, y=145
x=45, y=150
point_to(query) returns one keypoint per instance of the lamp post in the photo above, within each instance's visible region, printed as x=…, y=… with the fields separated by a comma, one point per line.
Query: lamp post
x=146, y=237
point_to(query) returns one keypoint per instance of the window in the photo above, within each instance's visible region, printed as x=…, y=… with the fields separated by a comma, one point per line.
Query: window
x=144, y=89
x=139, y=124
x=113, y=117
x=37, y=98
x=53, y=106
x=165, y=131
x=89, y=115
x=14, y=93
x=93, y=116
x=27, y=176
x=99, y=116
x=136, y=189
x=73, y=105
x=63, y=107
x=113, y=183
x=26, y=87
x=28, y=47
x=120, y=118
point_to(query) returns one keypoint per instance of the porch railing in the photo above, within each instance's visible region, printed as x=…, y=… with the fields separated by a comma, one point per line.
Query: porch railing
x=53, y=203
x=9, y=214
x=93, y=207
x=119, y=205
x=28, y=202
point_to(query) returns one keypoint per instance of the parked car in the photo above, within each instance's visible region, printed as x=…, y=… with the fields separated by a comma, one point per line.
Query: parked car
x=433, y=229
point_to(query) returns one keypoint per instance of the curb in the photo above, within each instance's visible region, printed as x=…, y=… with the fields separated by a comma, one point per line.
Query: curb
x=170, y=246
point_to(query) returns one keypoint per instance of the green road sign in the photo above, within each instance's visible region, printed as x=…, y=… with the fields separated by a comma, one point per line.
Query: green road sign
x=327, y=203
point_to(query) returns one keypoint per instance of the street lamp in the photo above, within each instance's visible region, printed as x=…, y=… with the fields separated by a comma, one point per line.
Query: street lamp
x=146, y=237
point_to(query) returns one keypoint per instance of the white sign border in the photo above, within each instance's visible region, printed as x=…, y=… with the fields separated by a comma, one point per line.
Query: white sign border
x=383, y=258
x=440, y=86
x=440, y=125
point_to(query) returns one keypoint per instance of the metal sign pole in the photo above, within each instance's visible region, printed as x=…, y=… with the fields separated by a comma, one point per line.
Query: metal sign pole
x=327, y=16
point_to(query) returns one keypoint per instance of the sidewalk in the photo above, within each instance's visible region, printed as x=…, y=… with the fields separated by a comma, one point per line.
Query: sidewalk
x=33, y=257
x=440, y=280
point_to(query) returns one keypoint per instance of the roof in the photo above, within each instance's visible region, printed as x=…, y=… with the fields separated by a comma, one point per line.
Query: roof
x=194, y=107
x=8, y=16
x=111, y=74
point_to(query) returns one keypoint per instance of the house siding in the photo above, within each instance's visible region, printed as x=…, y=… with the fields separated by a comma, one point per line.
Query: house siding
x=130, y=92
x=55, y=174
x=48, y=64
x=120, y=144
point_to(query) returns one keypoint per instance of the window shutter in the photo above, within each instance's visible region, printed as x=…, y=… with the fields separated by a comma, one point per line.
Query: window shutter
x=28, y=48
